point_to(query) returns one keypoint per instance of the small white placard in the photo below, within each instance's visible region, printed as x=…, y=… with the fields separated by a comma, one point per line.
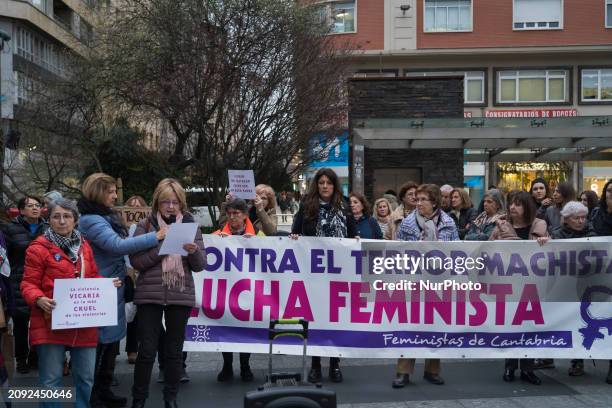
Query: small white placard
x=82, y=303
x=242, y=184
x=178, y=235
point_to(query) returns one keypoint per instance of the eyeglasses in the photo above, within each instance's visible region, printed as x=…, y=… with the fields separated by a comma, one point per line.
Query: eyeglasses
x=32, y=206
x=233, y=214
x=169, y=203
x=422, y=200
x=59, y=217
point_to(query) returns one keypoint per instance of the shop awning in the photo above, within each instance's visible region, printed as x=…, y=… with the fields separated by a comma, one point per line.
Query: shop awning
x=494, y=139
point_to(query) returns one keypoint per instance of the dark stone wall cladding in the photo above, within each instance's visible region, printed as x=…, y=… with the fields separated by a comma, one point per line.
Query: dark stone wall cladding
x=406, y=98
x=409, y=98
x=438, y=166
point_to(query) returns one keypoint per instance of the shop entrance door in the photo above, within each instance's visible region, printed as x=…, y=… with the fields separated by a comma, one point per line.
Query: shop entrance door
x=393, y=179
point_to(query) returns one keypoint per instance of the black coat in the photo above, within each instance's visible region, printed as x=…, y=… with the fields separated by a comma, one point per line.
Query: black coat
x=564, y=232
x=466, y=216
x=602, y=222
x=18, y=238
x=308, y=227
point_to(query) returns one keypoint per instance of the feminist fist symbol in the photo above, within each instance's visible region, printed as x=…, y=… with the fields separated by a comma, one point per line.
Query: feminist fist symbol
x=591, y=332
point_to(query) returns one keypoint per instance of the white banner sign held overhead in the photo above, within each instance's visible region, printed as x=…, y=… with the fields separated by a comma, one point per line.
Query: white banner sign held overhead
x=242, y=183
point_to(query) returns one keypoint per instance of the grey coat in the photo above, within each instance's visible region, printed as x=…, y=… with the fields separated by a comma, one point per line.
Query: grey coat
x=149, y=286
x=552, y=216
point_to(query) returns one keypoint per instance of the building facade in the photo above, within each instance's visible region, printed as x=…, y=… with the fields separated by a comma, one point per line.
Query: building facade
x=42, y=33
x=533, y=70
x=41, y=38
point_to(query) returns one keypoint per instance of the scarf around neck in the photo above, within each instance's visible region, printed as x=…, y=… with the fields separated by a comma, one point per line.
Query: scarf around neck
x=331, y=221
x=173, y=273
x=70, y=245
x=483, y=219
x=114, y=219
x=428, y=226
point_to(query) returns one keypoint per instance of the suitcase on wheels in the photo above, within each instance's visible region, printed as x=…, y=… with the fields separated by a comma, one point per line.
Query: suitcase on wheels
x=289, y=390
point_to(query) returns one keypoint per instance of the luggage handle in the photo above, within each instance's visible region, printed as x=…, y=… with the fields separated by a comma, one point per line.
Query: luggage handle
x=275, y=333
x=286, y=322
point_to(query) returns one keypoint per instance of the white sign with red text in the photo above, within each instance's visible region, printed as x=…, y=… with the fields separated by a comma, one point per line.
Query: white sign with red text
x=530, y=113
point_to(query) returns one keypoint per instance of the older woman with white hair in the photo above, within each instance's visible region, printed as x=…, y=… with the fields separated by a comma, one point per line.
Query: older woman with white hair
x=575, y=222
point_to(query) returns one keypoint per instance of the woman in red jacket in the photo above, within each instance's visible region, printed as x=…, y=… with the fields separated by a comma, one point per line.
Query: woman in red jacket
x=60, y=253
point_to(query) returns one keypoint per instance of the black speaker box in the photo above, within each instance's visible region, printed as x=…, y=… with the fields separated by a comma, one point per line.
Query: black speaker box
x=304, y=396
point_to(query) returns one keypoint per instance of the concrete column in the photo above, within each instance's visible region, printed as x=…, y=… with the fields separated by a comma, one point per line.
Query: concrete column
x=490, y=174
x=577, y=176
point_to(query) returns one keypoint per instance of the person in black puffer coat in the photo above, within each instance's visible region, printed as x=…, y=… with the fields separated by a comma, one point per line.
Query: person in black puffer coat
x=19, y=233
x=575, y=222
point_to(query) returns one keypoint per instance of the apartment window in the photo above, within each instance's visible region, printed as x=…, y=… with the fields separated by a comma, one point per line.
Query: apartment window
x=38, y=50
x=532, y=86
x=448, y=15
x=473, y=86
x=86, y=32
x=608, y=13
x=538, y=14
x=24, y=87
x=340, y=16
x=40, y=4
x=343, y=17
x=596, y=85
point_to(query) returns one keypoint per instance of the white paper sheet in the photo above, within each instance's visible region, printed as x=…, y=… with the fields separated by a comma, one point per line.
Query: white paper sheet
x=178, y=235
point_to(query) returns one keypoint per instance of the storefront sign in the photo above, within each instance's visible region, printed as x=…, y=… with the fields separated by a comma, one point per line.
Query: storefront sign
x=531, y=113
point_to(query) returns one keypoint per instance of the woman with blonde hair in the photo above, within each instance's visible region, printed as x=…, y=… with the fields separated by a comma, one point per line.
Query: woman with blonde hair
x=382, y=213
x=164, y=290
x=108, y=236
x=263, y=211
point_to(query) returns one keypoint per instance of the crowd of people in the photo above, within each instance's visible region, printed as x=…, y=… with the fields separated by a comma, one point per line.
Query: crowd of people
x=89, y=239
